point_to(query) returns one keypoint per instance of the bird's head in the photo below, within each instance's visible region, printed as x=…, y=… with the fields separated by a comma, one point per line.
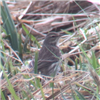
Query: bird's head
x=52, y=38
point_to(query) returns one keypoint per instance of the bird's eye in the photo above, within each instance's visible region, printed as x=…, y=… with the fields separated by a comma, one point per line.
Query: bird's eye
x=53, y=36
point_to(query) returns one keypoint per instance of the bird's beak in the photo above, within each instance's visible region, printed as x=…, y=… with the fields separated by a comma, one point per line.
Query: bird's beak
x=60, y=34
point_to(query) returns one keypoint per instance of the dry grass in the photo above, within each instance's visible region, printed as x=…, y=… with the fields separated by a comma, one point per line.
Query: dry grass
x=79, y=23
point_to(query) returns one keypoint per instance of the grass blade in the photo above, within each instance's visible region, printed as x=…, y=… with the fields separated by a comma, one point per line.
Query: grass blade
x=9, y=26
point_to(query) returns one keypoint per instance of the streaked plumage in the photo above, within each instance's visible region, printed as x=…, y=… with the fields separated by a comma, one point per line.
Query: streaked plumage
x=49, y=55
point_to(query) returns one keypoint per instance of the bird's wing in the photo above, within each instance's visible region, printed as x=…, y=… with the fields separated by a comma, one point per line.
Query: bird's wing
x=45, y=63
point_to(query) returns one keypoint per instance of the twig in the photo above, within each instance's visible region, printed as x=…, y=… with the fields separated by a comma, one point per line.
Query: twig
x=77, y=47
x=13, y=52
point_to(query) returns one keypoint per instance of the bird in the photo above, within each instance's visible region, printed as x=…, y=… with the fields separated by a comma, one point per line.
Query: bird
x=49, y=55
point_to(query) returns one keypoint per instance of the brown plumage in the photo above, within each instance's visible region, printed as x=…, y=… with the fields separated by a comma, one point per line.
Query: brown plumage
x=49, y=55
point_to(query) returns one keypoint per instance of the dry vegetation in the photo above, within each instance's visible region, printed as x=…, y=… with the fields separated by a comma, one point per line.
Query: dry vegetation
x=79, y=23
